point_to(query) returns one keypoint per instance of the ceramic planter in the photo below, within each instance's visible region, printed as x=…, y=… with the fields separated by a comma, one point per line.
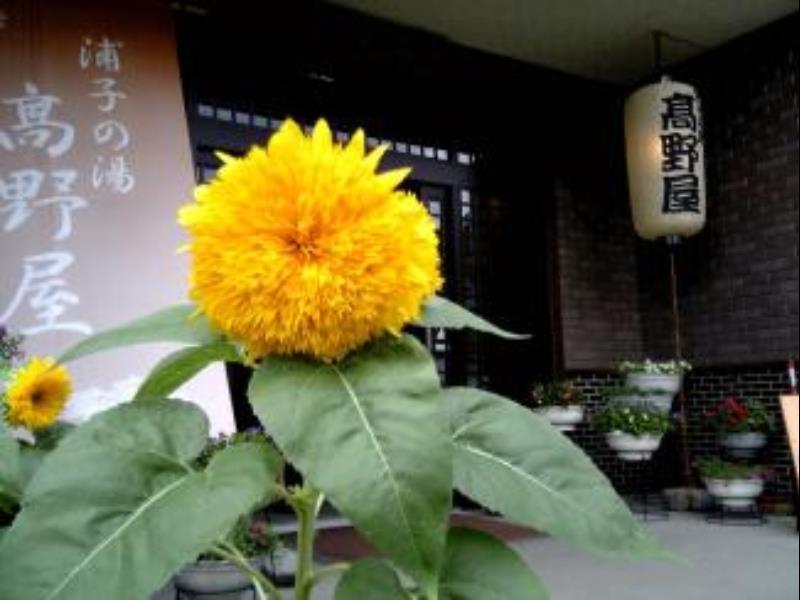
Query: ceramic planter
x=660, y=402
x=746, y=444
x=280, y=566
x=217, y=579
x=563, y=418
x=655, y=381
x=736, y=493
x=633, y=447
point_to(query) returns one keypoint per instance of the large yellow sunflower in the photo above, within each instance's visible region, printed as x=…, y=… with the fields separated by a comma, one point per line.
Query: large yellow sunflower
x=301, y=248
x=36, y=393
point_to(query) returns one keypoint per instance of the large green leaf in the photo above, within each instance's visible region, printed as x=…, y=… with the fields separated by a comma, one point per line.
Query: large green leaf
x=441, y=312
x=372, y=579
x=369, y=433
x=115, y=509
x=178, y=323
x=10, y=467
x=517, y=464
x=20, y=460
x=180, y=366
x=481, y=567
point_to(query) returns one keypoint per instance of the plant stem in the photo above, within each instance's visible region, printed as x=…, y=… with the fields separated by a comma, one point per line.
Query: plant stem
x=262, y=584
x=306, y=503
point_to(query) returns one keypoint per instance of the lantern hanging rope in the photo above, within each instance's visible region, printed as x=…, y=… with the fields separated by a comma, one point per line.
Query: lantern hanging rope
x=666, y=179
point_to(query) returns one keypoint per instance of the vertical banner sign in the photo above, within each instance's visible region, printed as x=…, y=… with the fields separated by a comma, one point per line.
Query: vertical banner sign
x=664, y=149
x=94, y=162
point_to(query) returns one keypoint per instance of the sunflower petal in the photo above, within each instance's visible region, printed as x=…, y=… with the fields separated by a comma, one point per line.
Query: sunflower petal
x=321, y=137
x=372, y=159
x=389, y=180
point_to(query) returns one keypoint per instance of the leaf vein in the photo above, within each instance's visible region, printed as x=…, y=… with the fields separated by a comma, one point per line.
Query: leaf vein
x=115, y=534
x=525, y=475
x=385, y=462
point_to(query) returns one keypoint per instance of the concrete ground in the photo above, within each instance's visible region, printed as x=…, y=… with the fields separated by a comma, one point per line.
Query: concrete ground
x=725, y=563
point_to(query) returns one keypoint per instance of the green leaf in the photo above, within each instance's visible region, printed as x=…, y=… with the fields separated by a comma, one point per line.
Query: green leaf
x=371, y=578
x=441, y=312
x=49, y=438
x=177, y=368
x=10, y=478
x=481, y=567
x=114, y=510
x=20, y=460
x=515, y=463
x=30, y=459
x=9, y=504
x=369, y=433
x=178, y=323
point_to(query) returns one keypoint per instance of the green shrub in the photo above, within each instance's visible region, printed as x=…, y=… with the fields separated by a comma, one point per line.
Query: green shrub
x=716, y=468
x=556, y=393
x=632, y=420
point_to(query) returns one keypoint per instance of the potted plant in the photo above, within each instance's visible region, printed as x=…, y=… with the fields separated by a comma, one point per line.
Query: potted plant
x=560, y=403
x=734, y=485
x=218, y=572
x=743, y=426
x=317, y=307
x=33, y=393
x=664, y=376
x=10, y=352
x=633, y=432
x=625, y=395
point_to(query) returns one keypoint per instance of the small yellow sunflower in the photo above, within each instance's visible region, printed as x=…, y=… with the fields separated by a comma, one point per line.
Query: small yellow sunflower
x=301, y=248
x=36, y=394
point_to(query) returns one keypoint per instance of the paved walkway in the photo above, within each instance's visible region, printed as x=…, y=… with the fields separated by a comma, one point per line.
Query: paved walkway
x=725, y=563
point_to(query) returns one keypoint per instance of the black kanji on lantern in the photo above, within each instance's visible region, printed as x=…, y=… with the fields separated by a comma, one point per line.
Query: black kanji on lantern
x=679, y=112
x=681, y=194
x=679, y=152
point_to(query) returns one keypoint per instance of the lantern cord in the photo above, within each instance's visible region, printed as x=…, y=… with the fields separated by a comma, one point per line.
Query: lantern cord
x=676, y=315
x=658, y=53
x=657, y=62
x=672, y=244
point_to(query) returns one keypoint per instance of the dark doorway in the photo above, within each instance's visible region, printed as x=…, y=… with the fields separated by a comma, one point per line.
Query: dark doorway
x=430, y=102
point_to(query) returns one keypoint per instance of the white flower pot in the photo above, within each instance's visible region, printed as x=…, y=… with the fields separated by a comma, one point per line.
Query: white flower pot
x=655, y=381
x=216, y=579
x=660, y=402
x=632, y=447
x=563, y=418
x=743, y=445
x=736, y=493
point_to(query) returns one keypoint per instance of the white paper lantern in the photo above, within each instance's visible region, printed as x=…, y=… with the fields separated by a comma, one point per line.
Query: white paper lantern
x=664, y=148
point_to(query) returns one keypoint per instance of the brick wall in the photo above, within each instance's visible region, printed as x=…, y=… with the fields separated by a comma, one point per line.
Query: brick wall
x=626, y=477
x=706, y=387
x=599, y=316
x=703, y=388
x=739, y=277
x=599, y=296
